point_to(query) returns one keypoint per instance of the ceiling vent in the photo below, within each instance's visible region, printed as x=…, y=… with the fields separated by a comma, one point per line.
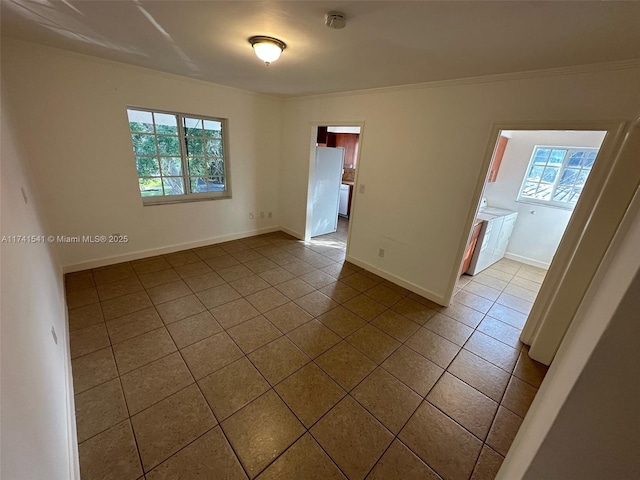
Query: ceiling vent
x=335, y=20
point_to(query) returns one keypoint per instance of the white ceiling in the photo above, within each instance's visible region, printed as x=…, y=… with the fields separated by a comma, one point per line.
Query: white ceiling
x=385, y=43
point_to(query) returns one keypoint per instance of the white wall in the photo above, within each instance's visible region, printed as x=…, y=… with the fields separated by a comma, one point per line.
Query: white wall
x=595, y=435
x=421, y=154
x=583, y=421
x=72, y=121
x=38, y=429
x=539, y=228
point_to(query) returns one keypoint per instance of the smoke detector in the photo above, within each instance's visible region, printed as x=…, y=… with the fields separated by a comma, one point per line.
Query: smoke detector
x=335, y=20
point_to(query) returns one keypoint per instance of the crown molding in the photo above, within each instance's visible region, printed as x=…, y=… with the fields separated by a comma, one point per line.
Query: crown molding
x=500, y=77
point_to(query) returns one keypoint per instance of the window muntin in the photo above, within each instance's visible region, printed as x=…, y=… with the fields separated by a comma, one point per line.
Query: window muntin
x=556, y=175
x=179, y=157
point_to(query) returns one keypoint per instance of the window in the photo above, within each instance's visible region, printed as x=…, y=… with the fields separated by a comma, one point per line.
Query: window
x=557, y=175
x=179, y=157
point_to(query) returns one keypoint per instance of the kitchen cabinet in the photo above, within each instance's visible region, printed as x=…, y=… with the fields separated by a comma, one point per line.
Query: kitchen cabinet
x=505, y=235
x=321, y=140
x=497, y=159
x=348, y=141
x=494, y=238
x=346, y=195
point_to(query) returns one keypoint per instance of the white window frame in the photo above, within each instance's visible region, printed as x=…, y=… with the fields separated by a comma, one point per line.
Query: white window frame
x=188, y=196
x=554, y=185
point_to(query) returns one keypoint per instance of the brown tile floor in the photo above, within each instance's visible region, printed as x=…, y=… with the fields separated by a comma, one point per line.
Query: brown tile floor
x=270, y=358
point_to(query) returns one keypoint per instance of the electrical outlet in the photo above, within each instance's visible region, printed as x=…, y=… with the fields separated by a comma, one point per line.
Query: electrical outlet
x=250, y=215
x=261, y=214
x=381, y=252
x=361, y=190
x=270, y=215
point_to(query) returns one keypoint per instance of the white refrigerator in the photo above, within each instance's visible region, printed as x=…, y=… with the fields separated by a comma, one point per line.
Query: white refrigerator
x=326, y=190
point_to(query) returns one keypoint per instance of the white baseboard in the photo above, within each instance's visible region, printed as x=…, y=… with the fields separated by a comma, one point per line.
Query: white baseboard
x=72, y=436
x=101, y=262
x=434, y=297
x=298, y=235
x=527, y=260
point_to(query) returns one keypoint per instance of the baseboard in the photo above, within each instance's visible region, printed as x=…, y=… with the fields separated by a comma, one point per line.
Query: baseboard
x=298, y=235
x=527, y=260
x=72, y=437
x=101, y=262
x=434, y=297
x=72, y=432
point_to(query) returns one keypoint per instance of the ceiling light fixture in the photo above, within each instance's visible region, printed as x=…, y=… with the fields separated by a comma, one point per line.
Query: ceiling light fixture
x=268, y=49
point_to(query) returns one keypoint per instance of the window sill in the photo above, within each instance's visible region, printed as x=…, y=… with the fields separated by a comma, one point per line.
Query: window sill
x=146, y=202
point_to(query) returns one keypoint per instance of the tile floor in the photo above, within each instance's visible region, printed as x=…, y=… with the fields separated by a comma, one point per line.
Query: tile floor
x=270, y=358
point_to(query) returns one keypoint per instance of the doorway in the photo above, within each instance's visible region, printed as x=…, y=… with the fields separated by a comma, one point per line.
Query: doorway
x=555, y=294
x=332, y=176
x=535, y=181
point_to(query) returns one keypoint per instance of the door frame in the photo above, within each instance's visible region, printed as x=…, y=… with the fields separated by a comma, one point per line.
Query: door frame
x=574, y=233
x=600, y=303
x=312, y=174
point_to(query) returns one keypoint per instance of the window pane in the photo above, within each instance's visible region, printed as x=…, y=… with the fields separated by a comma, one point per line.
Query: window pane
x=216, y=167
x=144, y=144
x=140, y=121
x=147, y=167
x=582, y=178
x=171, y=166
x=557, y=156
x=529, y=189
x=565, y=194
x=543, y=192
x=198, y=185
x=535, y=173
x=197, y=166
x=212, y=129
x=575, y=159
x=195, y=146
x=165, y=123
x=173, y=185
x=549, y=174
x=569, y=177
x=150, y=187
x=541, y=155
x=169, y=145
x=589, y=159
x=216, y=184
x=193, y=126
x=214, y=148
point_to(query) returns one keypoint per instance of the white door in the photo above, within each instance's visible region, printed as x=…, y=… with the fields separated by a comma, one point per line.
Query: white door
x=326, y=191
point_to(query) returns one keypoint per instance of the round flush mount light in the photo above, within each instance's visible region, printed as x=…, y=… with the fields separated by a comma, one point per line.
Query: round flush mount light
x=267, y=49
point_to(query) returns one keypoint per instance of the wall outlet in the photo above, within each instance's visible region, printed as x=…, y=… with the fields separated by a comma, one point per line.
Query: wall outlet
x=261, y=214
x=250, y=215
x=361, y=189
x=381, y=252
x=270, y=215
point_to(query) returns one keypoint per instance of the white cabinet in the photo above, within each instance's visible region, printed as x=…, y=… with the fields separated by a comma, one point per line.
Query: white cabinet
x=505, y=235
x=343, y=208
x=494, y=238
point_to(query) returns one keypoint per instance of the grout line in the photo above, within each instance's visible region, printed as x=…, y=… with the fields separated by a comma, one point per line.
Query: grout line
x=296, y=252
